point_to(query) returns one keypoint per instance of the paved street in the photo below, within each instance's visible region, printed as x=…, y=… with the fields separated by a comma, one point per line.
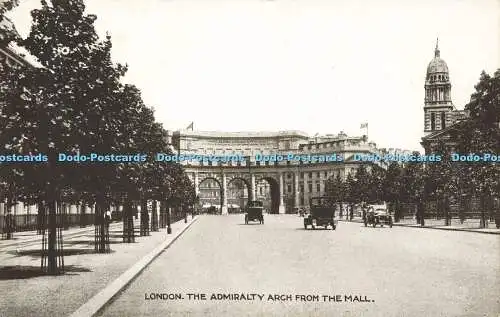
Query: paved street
x=25, y=291
x=374, y=271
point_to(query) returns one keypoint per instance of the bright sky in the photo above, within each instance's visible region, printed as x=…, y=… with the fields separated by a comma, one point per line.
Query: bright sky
x=310, y=65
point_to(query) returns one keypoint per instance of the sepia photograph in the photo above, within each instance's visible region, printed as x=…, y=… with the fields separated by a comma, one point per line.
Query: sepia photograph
x=292, y=158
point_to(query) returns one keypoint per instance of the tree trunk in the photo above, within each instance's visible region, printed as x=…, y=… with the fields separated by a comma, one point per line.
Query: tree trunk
x=144, y=218
x=482, y=204
x=397, y=211
x=421, y=212
x=9, y=220
x=128, y=222
x=446, y=210
x=65, y=216
x=154, y=215
x=101, y=235
x=163, y=214
x=52, y=254
x=83, y=220
x=462, y=209
x=41, y=217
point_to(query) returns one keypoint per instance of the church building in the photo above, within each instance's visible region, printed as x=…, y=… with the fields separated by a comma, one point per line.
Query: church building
x=440, y=115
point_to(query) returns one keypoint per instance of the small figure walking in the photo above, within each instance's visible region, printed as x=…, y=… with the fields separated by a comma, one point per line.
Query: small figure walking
x=107, y=218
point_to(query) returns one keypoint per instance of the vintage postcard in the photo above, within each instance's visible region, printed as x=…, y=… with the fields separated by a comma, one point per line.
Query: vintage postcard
x=250, y=158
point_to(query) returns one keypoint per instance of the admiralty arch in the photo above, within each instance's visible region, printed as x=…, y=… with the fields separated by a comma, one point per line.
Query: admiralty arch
x=290, y=182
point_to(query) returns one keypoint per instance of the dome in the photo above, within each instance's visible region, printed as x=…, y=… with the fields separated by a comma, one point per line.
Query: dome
x=437, y=65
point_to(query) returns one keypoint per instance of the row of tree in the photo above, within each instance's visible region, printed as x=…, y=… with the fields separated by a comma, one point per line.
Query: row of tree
x=445, y=181
x=76, y=103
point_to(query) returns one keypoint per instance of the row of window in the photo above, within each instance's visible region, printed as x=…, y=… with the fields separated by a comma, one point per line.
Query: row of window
x=301, y=188
x=439, y=78
x=261, y=190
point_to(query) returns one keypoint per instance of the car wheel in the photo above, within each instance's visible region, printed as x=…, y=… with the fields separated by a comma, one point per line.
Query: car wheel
x=366, y=224
x=334, y=227
x=246, y=220
x=305, y=227
x=374, y=224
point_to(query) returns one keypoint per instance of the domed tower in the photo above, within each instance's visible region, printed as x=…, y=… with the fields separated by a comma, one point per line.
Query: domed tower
x=438, y=106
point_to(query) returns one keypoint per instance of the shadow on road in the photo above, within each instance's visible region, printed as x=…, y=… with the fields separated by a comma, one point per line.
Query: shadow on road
x=250, y=224
x=67, y=252
x=24, y=272
x=88, y=242
x=317, y=229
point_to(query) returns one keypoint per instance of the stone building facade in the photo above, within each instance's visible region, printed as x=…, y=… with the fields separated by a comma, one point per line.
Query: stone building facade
x=291, y=183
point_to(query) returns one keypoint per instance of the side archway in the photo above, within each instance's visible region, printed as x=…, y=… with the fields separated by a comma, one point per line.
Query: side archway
x=210, y=194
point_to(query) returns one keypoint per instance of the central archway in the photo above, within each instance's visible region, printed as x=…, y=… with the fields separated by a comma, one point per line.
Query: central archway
x=238, y=194
x=268, y=190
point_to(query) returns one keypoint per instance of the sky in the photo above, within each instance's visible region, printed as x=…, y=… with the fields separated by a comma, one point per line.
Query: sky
x=309, y=65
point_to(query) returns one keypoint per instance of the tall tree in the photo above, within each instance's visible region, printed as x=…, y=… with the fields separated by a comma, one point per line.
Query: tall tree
x=78, y=96
x=8, y=32
x=392, y=184
x=480, y=134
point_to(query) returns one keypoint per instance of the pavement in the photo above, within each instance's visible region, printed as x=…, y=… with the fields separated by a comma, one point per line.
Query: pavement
x=25, y=291
x=222, y=267
x=468, y=226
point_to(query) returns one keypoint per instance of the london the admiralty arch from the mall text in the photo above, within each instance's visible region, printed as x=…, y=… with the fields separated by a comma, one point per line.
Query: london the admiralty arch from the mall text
x=289, y=183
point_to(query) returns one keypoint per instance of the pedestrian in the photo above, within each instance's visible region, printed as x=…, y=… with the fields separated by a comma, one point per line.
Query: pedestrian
x=107, y=217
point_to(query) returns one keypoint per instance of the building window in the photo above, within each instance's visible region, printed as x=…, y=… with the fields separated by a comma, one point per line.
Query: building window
x=433, y=121
x=301, y=188
x=318, y=174
x=443, y=120
x=301, y=174
x=318, y=187
x=288, y=176
x=326, y=173
x=289, y=188
x=310, y=185
x=302, y=200
x=310, y=174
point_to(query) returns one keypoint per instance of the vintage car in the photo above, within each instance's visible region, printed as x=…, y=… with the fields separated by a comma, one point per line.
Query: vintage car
x=254, y=212
x=378, y=215
x=322, y=214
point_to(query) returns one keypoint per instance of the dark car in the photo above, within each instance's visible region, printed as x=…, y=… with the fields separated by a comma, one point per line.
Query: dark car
x=254, y=212
x=322, y=213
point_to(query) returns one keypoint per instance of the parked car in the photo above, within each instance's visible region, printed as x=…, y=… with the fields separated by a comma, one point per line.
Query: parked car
x=378, y=215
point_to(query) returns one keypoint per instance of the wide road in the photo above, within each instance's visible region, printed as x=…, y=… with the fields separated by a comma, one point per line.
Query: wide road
x=362, y=272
